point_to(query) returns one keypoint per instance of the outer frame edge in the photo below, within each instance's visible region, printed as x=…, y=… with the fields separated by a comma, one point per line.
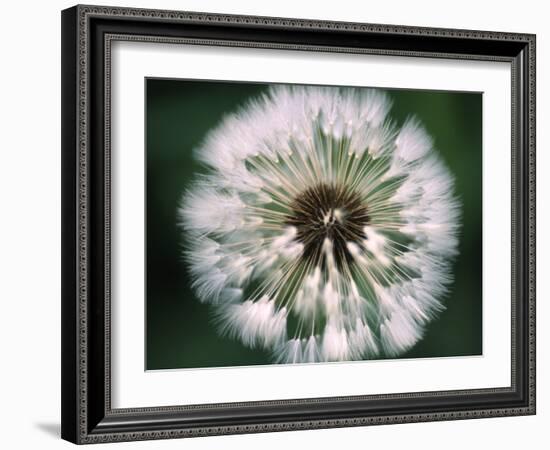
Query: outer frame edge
x=69, y=349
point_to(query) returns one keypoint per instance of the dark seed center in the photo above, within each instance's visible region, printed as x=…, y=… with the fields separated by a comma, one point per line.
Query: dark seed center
x=328, y=211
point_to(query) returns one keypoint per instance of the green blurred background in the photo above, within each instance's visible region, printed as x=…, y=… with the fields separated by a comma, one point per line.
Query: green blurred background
x=180, y=113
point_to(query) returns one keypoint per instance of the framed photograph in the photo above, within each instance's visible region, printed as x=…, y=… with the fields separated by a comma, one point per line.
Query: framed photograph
x=282, y=224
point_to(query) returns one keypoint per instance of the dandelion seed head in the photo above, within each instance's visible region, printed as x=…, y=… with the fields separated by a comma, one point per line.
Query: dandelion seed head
x=321, y=231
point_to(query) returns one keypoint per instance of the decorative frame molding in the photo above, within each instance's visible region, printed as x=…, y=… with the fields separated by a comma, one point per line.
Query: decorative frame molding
x=87, y=34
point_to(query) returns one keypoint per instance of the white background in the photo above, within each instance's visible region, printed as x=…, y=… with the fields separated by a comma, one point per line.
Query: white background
x=30, y=225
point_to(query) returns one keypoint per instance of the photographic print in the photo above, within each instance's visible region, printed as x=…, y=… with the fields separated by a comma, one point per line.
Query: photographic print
x=291, y=224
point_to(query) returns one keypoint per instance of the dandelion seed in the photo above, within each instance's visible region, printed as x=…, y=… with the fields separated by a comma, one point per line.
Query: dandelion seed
x=321, y=231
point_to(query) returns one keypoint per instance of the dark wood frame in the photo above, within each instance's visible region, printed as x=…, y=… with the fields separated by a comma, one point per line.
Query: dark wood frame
x=87, y=32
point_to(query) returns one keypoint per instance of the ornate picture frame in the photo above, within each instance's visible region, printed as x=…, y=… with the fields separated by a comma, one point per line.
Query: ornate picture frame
x=88, y=415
